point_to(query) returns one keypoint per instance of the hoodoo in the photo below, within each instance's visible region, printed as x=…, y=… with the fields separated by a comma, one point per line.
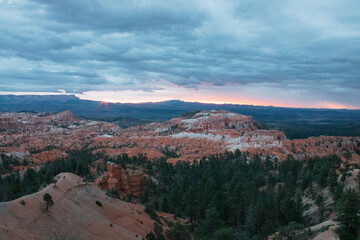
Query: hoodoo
x=125, y=181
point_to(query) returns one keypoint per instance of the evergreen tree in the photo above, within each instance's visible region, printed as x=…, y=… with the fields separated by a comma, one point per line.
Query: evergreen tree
x=332, y=180
x=293, y=231
x=211, y=223
x=338, y=193
x=348, y=210
x=48, y=199
x=178, y=232
x=191, y=206
x=268, y=228
x=319, y=201
x=226, y=233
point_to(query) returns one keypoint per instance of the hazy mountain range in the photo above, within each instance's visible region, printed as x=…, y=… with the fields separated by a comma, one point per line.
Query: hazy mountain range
x=296, y=122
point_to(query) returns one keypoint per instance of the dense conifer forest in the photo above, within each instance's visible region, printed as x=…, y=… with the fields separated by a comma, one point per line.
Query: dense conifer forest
x=228, y=196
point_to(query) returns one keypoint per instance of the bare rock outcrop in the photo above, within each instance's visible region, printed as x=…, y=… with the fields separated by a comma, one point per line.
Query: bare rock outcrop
x=45, y=137
x=7, y=123
x=73, y=214
x=60, y=116
x=126, y=182
x=190, y=138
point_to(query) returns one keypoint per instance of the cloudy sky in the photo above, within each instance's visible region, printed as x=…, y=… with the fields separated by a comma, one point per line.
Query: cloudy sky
x=302, y=53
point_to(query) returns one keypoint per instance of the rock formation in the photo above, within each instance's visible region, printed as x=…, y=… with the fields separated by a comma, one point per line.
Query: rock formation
x=43, y=137
x=126, y=182
x=210, y=132
x=7, y=123
x=40, y=137
x=74, y=214
x=60, y=116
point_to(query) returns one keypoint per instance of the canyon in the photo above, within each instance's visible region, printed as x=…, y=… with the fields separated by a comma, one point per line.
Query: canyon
x=36, y=138
x=30, y=140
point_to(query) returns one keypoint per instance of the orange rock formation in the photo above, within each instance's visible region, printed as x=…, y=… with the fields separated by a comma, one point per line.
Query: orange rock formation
x=126, y=182
x=43, y=137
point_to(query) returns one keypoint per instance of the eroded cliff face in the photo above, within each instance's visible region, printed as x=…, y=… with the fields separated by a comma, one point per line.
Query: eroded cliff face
x=7, y=123
x=38, y=137
x=211, y=132
x=191, y=138
x=125, y=181
x=41, y=138
x=346, y=147
x=60, y=116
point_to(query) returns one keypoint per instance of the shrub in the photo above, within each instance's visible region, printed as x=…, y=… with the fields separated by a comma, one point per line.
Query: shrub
x=150, y=236
x=114, y=193
x=22, y=202
x=178, y=231
x=127, y=198
x=149, y=209
x=98, y=203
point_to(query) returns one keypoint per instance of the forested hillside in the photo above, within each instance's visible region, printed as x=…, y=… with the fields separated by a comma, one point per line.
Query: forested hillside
x=228, y=196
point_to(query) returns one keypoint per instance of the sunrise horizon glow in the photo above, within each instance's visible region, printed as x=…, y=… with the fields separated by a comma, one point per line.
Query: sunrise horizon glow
x=141, y=100
x=302, y=54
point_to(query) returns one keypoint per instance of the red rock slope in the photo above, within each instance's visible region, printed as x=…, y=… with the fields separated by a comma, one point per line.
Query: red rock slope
x=40, y=138
x=211, y=132
x=73, y=215
x=205, y=133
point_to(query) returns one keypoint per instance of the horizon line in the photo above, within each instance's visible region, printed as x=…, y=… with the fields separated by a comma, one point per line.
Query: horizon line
x=168, y=100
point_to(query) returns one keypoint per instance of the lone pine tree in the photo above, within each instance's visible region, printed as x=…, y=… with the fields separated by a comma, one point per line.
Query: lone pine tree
x=48, y=199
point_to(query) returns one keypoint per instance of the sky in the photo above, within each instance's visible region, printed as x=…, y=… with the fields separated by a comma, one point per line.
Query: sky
x=302, y=53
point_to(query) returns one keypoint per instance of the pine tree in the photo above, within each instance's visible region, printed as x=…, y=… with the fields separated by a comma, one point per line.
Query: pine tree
x=178, y=232
x=268, y=228
x=48, y=199
x=332, y=180
x=348, y=210
x=192, y=209
x=319, y=201
x=211, y=223
x=226, y=233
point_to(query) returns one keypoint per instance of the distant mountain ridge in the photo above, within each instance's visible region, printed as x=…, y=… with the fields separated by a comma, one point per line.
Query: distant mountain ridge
x=295, y=122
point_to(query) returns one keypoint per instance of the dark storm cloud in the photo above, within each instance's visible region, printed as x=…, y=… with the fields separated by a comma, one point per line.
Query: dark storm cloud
x=107, y=45
x=123, y=16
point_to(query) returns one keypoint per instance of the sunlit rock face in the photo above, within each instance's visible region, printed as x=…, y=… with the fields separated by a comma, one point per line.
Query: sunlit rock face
x=125, y=181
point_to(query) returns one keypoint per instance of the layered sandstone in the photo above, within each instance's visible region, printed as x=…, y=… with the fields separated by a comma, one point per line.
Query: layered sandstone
x=7, y=123
x=211, y=132
x=60, y=116
x=42, y=137
x=190, y=138
x=126, y=182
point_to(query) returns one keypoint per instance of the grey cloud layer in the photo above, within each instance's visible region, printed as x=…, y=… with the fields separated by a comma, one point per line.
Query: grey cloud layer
x=99, y=45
